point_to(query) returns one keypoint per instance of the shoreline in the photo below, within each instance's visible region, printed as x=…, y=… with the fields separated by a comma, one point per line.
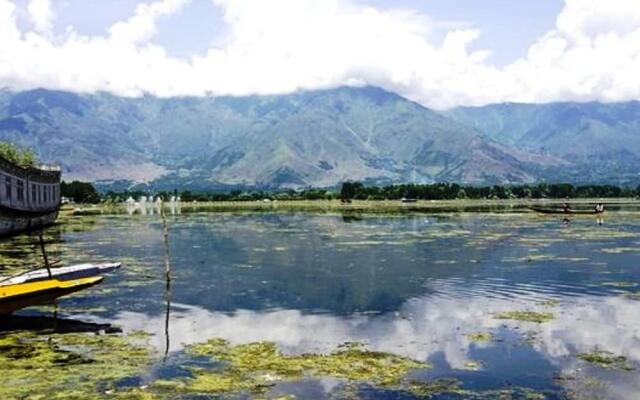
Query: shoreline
x=367, y=206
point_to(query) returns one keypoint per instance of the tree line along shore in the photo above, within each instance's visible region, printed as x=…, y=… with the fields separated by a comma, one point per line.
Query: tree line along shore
x=82, y=192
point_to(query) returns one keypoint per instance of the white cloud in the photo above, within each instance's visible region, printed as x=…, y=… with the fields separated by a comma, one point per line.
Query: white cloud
x=41, y=15
x=421, y=329
x=140, y=28
x=279, y=46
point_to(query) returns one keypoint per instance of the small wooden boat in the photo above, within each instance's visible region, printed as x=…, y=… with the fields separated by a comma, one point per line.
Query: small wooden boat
x=61, y=273
x=549, y=210
x=44, y=285
x=21, y=295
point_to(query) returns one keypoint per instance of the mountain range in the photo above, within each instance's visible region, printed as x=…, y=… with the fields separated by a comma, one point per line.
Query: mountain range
x=320, y=138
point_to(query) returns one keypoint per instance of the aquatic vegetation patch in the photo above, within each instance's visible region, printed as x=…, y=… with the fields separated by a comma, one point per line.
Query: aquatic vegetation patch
x=579, y=386
x=539, y=241
x=530, y=258
x=631, y=296
x=513, y=393
x=450, y=386
x=254, y=367
x=608, y=360
x=472, y=365
x=550, y=303
x=87, y=211
x=526, y=316
x=426, y=389
x=445, y=262
x=618, y=250
x=621, y=284
x=480, y=337
x=603, y=234
x=67, y=366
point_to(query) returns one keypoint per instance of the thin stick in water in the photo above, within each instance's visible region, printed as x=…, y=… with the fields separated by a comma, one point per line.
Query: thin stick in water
x=167, y=272
x=44, y=255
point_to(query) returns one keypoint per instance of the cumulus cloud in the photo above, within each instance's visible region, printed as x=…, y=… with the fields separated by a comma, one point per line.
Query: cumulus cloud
x=140, y=28
x=279, y=46
x=41, y=15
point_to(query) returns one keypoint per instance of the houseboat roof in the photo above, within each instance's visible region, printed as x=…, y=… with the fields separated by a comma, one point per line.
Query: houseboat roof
x=42, y=173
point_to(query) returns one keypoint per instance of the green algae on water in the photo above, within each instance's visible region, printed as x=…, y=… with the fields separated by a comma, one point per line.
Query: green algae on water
x=621, y=284
x=550, y=303
x=608, y=360
x=480, y=337
x=254, y=367
x=526, y=316
x=426, y=389
x=618, y=250
x=66, y=366
x=472, y=365
x=631, y=296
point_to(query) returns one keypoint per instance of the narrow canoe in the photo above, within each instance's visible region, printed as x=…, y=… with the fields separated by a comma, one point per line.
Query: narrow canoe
x=543, y=210
x=61, y=273
x=16, y=297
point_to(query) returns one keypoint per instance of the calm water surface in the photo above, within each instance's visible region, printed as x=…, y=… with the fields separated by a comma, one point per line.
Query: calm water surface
x=414, y=285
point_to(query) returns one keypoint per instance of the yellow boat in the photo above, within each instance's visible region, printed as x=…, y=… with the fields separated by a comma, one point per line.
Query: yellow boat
x=18, y=296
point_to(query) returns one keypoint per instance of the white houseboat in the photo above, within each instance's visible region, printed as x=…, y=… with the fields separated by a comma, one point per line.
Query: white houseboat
x=29, y=197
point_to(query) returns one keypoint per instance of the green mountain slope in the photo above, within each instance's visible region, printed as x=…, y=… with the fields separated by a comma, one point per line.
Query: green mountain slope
x=317, y=138
x=600, y=141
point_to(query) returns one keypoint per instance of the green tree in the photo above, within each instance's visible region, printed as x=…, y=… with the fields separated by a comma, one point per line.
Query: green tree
x=80, y=192
x=350, y=190
x=17, y=155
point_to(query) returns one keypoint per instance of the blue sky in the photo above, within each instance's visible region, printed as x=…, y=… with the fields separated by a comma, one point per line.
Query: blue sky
x=508, y=27
x=441, y=53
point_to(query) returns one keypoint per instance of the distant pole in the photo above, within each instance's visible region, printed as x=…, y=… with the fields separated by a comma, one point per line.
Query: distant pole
x=44, y=255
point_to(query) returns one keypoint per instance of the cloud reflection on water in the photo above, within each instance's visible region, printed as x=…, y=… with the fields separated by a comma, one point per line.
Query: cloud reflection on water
x=423, y=329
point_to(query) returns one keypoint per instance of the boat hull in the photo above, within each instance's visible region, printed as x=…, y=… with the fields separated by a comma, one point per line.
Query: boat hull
x=16, y=297
x=559, y=211
x=12, y=222
x=60, y=273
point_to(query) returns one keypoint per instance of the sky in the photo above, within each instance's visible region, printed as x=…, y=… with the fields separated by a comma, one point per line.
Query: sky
x=440, y=53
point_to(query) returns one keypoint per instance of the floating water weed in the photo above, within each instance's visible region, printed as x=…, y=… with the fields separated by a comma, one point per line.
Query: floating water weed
x=618, y=250
x=472, y=365
x=607, y=360
x=256, y=366
x=550, y=303
x=426, y=389
x=620, y=284
x=480, y=337
x=631, y=296
x=527, y=316
x=66, y=366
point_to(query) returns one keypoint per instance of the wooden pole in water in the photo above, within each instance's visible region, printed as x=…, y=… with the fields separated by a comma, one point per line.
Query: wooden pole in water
x=44, y=255
x=167, y=274
x=167, y=263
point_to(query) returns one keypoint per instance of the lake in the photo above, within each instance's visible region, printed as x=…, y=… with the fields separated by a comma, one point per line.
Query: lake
x=447, y=305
